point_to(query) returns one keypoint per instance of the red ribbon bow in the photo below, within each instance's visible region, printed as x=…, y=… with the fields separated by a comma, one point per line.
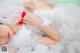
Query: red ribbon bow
x=23, y=14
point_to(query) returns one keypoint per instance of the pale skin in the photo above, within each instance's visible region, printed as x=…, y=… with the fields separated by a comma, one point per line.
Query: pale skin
x=53, y=35
x=5, y=35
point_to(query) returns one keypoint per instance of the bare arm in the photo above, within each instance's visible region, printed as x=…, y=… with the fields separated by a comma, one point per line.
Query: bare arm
x=47, y=41
x=52, y=33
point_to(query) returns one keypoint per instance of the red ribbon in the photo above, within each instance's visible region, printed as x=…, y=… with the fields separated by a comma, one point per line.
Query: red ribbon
x=23, y=14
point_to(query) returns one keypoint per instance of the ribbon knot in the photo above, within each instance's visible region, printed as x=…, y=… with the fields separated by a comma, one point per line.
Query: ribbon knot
x=23, y=14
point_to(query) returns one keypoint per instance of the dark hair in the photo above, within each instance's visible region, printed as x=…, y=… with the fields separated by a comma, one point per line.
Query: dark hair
x=1, y=23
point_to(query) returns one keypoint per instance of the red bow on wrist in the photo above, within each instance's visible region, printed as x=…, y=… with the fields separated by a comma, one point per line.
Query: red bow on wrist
x=23, y=14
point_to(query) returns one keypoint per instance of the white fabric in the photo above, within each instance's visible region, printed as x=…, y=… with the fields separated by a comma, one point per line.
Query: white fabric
x=42, y=14
x=21, y=37
x=10, y=9
x=66, y=20
x=50, y=16
x=70, y=29
x=27, y=41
